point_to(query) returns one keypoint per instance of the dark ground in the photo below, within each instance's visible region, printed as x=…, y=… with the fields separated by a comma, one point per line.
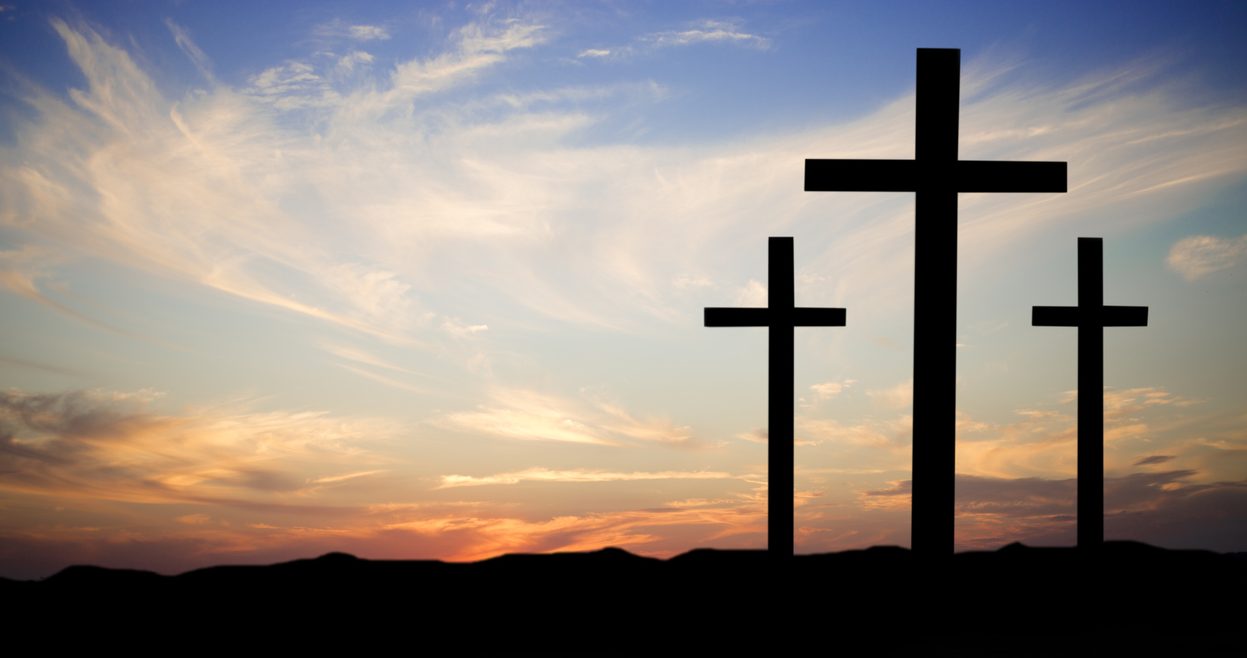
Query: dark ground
x=1131, y=598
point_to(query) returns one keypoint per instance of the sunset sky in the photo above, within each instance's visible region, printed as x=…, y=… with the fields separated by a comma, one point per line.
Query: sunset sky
x=425, y=280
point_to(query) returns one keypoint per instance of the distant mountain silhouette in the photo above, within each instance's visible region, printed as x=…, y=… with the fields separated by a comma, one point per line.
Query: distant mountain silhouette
x=1032, y=601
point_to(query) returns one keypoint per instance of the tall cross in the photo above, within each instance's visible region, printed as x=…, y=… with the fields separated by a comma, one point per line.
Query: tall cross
x=1091, y=316
x=936, y=176
x=780, y=316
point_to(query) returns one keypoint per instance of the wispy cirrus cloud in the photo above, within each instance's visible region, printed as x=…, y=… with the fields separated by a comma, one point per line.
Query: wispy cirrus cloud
x=513, y=413
x=182, y=37
x=359, y=355
x=708, y=31
x=705, y=31
x=340, y=29
x=1198, y=256
x=499, y=220
x=205, y=154
x=368, y=365
x=19, y=270
x=575, y=475
x=20, y=273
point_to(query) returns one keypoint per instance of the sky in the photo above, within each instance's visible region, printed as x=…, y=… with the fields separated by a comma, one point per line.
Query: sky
x=426, y=280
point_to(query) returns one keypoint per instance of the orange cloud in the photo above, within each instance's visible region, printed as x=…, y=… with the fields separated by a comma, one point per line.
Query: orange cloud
x=105, y=446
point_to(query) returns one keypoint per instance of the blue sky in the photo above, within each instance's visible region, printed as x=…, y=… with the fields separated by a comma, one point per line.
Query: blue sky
x=426, y=280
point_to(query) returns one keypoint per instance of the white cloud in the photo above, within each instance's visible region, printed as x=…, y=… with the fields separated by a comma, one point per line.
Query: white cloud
x=477, y=47
x=512, y=34
x=708, y=31
x=292, y=86
x=1200, y=255
x=348, y=63
x=461, y=330
x=340, y=29
x=368, y=32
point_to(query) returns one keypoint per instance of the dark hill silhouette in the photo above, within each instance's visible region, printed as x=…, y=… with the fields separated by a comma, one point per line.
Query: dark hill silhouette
x=1016, y=599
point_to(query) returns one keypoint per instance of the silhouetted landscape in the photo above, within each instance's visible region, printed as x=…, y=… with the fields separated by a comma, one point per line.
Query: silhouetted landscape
x=1131, y=594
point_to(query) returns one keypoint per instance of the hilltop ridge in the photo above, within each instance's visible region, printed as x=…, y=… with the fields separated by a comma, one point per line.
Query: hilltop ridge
x=1128, y=592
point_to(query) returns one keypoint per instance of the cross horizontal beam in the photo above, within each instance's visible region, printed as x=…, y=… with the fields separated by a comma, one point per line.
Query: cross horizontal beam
x=738, y=317
x=968, y=176
x=1067, y=316
x=764, y=317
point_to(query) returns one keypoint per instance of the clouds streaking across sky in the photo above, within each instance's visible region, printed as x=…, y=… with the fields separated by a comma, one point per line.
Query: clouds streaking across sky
x=428, y=282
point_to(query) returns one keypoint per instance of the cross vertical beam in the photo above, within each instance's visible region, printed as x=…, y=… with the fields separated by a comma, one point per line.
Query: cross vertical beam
x=1091, y=385
x=780, y=316
x=935, y=176
x=935, y=295
x=781, y=490
x=1090, y=317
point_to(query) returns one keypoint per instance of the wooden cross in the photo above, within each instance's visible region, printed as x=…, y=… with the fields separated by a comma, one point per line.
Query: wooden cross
x=780, y=316
x=935, y=176
x=1091, y=316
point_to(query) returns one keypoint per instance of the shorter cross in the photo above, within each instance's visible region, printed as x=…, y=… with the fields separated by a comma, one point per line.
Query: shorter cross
x=781, y=315
x=1090, y=316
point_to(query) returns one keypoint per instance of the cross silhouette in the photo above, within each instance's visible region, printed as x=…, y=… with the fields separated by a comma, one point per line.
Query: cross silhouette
x=936, y=176
x=1091, y=316
x=781, y=315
